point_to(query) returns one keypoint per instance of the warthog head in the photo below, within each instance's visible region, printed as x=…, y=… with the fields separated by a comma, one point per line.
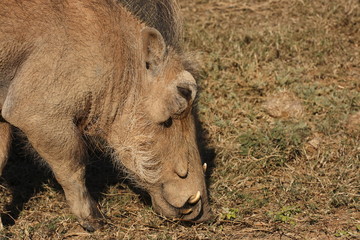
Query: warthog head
x=155, y=137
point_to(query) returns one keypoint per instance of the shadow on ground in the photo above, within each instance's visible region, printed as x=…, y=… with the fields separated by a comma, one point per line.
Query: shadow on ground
x=26, y=174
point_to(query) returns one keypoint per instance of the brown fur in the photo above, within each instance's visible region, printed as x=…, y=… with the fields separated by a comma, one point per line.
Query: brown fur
x=74, y=68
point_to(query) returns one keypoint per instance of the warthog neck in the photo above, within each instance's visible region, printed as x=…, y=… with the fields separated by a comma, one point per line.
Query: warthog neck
x=118, y=80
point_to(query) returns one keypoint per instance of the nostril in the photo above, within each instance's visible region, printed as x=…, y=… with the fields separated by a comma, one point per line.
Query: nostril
x=194, y=198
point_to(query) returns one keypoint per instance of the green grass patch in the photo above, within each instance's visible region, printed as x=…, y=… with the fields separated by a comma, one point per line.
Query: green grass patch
x=286, y=214
x=275, y=144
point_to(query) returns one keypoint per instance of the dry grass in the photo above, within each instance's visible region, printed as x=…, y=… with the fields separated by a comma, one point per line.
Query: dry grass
x=280, y=105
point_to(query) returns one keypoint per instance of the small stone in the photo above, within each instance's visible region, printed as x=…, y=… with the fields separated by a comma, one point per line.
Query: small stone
x=284, y=105
x=353, y=123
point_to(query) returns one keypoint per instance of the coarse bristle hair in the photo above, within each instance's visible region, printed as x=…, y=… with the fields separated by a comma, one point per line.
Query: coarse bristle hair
x=163, y=15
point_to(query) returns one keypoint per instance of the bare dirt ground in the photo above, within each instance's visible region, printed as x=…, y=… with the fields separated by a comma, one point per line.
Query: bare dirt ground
x=280, y=107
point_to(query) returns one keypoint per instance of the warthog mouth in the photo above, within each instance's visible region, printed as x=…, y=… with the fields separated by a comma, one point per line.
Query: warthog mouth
x=191, y=212
x=194, y=209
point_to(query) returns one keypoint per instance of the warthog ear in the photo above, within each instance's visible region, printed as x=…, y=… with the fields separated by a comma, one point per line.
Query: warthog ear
x=153, y=47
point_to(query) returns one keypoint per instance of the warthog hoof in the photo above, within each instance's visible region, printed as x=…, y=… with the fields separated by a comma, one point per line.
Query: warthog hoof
x=92, y=225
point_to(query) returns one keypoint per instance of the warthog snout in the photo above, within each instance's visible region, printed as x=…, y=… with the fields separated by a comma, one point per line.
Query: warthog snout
x=194, y=208
x=183, y=195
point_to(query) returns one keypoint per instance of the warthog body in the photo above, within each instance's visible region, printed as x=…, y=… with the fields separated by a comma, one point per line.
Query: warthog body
x=70, y=69
x=160, y=14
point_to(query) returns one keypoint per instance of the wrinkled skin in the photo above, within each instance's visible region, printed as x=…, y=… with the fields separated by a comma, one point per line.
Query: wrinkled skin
x=69, y=69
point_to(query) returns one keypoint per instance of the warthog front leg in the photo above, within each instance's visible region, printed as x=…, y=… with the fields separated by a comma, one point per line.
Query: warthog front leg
x=5, y=141
x=60, y=144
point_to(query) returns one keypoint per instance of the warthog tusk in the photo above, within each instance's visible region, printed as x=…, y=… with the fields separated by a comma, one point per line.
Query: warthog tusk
x=186, y=211
x=204, y=167
x=195, y=198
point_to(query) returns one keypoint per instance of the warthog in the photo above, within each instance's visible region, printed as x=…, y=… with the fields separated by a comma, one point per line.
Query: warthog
x=74, y=70
x=160, y=14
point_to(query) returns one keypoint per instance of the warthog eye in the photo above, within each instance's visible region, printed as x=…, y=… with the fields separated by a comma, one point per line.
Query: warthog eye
x=167, y=123
x=185, y=92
